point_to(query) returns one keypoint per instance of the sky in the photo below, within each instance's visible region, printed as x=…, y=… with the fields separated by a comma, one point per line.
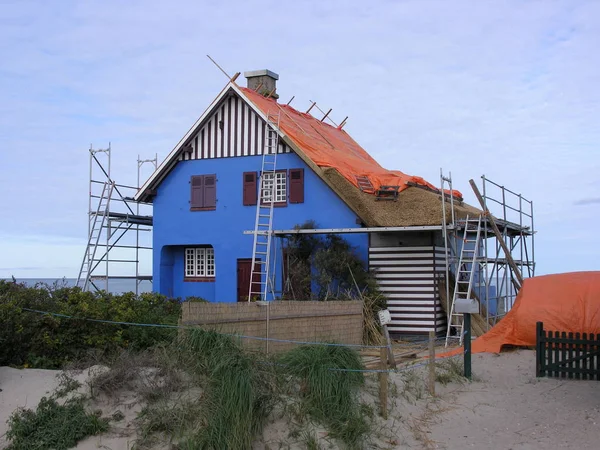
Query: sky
x=508, y=89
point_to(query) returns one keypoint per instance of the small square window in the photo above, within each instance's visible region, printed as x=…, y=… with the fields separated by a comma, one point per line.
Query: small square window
x=199, y=262
x=274, y=184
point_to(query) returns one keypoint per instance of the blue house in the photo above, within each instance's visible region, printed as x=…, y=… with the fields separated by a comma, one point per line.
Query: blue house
x=205, y=196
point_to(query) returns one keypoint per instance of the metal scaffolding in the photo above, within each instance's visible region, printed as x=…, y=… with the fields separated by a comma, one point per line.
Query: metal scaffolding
x=514, y=216
x=494, y=282
x=118, y=234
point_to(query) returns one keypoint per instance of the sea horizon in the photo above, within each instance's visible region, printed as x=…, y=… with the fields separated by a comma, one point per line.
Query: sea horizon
x=115, y=286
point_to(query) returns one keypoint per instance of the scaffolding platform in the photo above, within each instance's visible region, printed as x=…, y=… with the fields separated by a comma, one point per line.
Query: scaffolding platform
x=133, y=219
x=122, y=277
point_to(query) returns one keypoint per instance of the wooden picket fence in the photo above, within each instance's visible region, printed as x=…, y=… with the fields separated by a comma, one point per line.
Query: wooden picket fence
x=567, y=355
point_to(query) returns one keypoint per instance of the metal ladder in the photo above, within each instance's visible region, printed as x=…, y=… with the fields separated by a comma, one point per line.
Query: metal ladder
x=464, y=277
x=263, y=226
x=97, y=220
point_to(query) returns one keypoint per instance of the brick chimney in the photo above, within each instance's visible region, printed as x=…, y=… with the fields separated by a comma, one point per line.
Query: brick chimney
x=266, y=79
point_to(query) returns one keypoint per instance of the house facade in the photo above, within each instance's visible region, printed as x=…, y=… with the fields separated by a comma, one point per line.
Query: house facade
x=205, y=196
x=202, y=251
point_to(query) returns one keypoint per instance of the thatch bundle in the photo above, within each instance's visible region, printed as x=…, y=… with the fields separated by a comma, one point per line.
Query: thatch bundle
x=415, y=206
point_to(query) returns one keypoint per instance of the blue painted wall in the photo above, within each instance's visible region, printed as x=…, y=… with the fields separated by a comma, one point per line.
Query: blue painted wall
x=176, y=227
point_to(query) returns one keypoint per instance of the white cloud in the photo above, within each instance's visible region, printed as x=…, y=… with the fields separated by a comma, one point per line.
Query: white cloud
x=506, y=88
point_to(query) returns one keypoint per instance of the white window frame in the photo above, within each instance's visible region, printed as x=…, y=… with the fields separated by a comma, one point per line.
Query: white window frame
x=199, y=262
x=280, y=187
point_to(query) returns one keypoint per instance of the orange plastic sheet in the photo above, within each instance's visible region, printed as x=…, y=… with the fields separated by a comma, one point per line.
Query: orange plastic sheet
x=328, y=146
x=567, y=302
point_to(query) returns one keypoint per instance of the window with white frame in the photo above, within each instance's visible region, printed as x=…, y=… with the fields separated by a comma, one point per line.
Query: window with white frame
x=274, y=183
x=199, y=262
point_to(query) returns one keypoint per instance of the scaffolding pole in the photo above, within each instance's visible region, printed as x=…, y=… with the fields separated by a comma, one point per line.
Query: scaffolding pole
x=508, y=256
x=111, y=219
x=447, y=228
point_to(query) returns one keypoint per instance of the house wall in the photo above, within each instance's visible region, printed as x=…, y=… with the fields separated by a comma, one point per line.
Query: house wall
x=176, y=227
x=407, y=266
x=234, y=129
x=403, y=239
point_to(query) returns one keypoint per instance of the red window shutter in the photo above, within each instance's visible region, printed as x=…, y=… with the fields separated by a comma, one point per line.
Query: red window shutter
x=210, y=191
x=250, y=191
x=197, y=194
x=296, y=185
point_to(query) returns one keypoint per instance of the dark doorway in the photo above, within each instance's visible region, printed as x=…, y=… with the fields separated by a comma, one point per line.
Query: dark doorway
x=243, y=279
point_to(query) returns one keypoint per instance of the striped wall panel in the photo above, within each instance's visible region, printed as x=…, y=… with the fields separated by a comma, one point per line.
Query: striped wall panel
x=233, y=130
x=408, y=277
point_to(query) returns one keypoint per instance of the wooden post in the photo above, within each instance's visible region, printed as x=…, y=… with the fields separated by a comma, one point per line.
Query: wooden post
x=509, y=259
x=539, y=349
x=383, y=384
x=432, y=363
x=390, y=350
x=467, y=345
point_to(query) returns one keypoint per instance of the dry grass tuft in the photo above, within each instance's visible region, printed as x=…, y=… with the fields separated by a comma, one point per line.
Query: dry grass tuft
x=151, y=374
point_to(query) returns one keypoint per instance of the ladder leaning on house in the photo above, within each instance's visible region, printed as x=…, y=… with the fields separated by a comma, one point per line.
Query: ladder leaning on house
x=97, y=221
x=465, y=275
x=263, y=226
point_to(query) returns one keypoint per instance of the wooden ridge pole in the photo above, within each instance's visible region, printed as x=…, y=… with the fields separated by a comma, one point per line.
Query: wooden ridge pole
x=509, y=258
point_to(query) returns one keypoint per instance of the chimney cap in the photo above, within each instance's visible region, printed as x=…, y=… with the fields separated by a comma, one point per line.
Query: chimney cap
x=260, y=73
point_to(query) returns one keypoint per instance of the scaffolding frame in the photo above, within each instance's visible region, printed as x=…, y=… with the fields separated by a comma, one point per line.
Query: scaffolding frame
x=113, y=216
x=449, y=235
x=515, y=220
x=496, y=288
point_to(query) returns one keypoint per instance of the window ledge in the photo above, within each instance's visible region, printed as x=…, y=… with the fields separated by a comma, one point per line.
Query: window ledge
x=199, y=279
x=203, y=209
x=275, y=205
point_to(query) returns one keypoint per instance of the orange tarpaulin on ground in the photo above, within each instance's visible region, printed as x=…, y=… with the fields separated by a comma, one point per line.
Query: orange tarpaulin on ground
x=329, y=146
x=567, y=302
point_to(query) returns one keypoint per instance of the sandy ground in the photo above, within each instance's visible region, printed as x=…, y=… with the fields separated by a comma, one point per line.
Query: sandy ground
x=25, y=388
x=505, y=408
x=512, y=409
x=22, y=388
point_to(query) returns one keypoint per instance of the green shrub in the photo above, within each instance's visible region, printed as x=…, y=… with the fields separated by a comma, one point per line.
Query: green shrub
x=52, y=425
x=238, y=396
x=330, y=379
x=46, y=341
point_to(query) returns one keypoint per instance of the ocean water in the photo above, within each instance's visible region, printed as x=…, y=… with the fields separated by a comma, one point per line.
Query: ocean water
x=114, y=286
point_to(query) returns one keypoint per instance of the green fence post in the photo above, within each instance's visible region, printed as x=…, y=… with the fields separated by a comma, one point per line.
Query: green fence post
x=467, y=340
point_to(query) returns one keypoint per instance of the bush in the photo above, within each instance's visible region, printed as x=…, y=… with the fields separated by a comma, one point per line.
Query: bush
x=330, y=378
x=328, y=268
x=53, y=425
x=46, y=341
x=238, y=396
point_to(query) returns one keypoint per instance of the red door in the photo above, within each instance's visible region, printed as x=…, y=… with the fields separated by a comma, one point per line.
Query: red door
x=243, y=279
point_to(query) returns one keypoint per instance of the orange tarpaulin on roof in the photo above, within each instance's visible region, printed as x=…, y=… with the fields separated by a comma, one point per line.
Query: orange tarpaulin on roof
x=328, y=146
x=567, y=302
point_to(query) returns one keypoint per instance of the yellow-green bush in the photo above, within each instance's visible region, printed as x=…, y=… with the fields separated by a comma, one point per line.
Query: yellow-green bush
x=46, y=341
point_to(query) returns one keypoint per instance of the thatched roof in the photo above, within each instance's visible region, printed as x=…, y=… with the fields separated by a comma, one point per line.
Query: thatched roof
x=340, y=161
x=415, y=206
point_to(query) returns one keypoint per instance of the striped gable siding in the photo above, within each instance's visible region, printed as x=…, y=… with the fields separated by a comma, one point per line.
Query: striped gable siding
x=408, y=277
x=233, y=130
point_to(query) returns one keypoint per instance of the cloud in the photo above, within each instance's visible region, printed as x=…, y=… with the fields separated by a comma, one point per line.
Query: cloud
x=587, y=201
x=505, y=89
